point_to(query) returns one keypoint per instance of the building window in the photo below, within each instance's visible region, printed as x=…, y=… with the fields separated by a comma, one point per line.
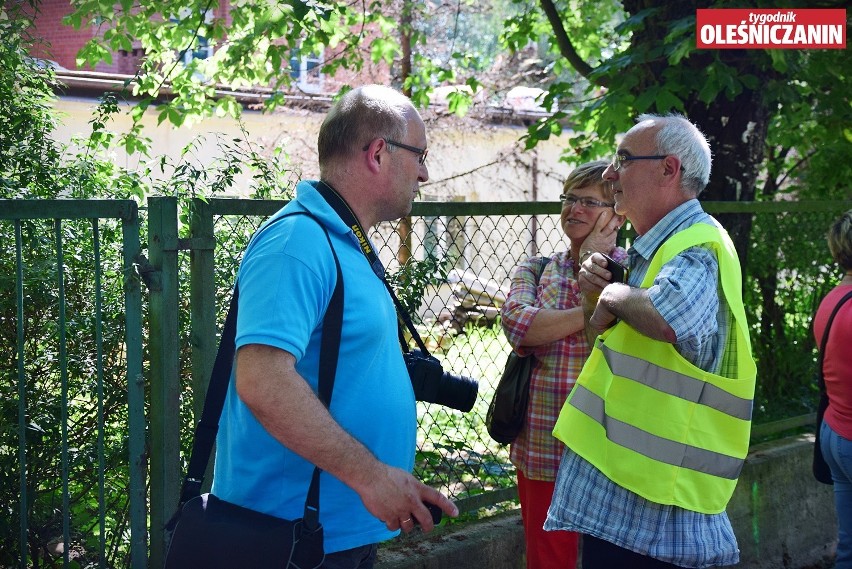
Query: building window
x=201, y=48
x=306, y=71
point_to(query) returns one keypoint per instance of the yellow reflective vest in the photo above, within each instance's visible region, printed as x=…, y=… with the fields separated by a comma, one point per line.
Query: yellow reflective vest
x=652, y=422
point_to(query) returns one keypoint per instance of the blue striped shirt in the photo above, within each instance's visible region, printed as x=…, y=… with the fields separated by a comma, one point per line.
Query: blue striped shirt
x=685, y=293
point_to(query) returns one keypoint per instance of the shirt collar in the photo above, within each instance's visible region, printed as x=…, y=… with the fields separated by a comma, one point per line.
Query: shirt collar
x=683, y=215
x=310, y=199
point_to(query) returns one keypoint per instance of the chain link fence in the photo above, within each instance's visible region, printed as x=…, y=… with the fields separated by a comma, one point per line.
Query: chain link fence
x=786, y=265
x=787, y=269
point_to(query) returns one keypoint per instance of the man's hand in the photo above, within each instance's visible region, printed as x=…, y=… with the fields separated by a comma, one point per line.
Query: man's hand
x=593, y=276
x=594, y=281
x=397, y=498
x=629, y=304
x=284, y=403
x=600, y=320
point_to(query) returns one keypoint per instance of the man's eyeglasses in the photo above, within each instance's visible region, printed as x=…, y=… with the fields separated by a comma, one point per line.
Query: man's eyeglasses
x=619, y=159
x=423, y=152
x=568, y=200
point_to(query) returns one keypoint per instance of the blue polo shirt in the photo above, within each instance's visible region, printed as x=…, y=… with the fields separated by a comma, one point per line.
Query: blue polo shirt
x=286, y=279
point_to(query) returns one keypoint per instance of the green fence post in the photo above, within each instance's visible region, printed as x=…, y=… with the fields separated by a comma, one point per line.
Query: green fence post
x=202, y=308
x=22, y=393
x=164, y=352
x=135, y=393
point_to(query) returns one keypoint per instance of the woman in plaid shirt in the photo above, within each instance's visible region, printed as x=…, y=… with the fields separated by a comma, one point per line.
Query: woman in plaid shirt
x=543, y=316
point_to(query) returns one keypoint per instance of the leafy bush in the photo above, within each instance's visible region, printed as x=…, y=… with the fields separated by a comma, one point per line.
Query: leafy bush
x=789, y=271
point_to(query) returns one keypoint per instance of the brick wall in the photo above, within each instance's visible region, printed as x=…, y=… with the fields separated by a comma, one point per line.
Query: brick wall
x=62, y=43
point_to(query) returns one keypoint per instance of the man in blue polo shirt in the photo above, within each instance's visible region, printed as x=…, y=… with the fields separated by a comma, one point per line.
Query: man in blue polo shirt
x=274, y=429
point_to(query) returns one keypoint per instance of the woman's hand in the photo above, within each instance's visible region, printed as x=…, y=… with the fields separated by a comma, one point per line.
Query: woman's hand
x=603, y=234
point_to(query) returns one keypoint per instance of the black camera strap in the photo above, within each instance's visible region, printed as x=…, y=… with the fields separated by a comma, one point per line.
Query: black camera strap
x=208, y=425
x=339, y=205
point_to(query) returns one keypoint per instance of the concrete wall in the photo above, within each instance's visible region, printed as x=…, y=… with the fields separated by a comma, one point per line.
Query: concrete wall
x=782, y=517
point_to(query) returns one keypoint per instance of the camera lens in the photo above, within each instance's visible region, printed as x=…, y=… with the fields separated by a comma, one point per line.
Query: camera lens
x=432, y=385
x=458, y=391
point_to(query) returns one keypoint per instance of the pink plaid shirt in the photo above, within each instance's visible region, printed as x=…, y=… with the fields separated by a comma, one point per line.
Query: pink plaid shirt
x=536, y=452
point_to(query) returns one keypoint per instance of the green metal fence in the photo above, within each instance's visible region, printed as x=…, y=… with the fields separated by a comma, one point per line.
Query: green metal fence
x=191, y=262
x=72, y=443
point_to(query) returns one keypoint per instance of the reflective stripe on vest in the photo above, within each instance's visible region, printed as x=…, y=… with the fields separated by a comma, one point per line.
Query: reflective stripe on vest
x=654, y=423
x=680, y=385
x=652, y=446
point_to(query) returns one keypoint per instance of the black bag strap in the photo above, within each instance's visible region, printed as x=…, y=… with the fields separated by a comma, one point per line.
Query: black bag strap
x=541, y=268
x=824, y=343
x=538, y=273
x=208, y=426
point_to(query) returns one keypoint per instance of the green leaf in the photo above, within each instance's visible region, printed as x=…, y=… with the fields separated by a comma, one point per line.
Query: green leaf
x=779, y=60
x=384, y=50
x=667, y=101
x=681, y=50
x=162, y=116
x=750, y=81
x=646, y=99
x=459, y=102
x=92, y=53
x=75, y=20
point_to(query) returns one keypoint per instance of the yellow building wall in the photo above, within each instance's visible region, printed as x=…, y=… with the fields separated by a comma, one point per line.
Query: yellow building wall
x=469, y=160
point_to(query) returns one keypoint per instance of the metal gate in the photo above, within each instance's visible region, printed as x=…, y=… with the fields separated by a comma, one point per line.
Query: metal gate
x=73, y=391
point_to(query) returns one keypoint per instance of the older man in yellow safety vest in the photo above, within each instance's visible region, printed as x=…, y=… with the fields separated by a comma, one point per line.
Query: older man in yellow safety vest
x=657, y=427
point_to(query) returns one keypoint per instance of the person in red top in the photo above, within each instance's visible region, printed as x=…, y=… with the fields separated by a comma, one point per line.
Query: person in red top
x=543, y=316
x=836, y=430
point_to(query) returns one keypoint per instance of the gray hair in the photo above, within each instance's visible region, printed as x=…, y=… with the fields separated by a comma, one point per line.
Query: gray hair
x=359, y=117
x=679, y=137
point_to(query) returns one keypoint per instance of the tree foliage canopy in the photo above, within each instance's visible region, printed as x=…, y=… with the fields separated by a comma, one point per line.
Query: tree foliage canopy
x=777, y=119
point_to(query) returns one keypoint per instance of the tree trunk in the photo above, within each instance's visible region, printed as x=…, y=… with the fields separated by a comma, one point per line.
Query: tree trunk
x=736, y=128
x=403, y=254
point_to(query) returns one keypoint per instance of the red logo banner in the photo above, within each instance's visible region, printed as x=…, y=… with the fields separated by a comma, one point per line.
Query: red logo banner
x=776, y=28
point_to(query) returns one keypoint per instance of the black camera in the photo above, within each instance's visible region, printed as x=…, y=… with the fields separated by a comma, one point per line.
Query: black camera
x=432, y=385
x=619, y=271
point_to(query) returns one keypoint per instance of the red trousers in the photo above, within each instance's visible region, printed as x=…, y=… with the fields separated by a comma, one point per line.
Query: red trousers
x=545, y=549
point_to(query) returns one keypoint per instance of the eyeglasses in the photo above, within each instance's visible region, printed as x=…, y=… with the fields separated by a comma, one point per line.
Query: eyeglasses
x=423, y=152
x=619, y=159
x=568, y=200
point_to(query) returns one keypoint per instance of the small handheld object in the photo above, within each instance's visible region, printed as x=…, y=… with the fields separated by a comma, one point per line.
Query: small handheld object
x=619, y=271
x=436, y=512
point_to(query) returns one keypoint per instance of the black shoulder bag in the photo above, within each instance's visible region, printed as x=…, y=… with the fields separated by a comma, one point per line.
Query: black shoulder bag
x=508, y=409
x=212, y=533
x=821, y=470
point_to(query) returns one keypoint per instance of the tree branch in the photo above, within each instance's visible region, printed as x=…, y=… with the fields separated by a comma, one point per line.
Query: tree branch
x=795, y=166
x=566, y=48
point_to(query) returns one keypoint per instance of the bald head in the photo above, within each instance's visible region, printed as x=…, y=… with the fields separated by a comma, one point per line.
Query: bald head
x=358, y=117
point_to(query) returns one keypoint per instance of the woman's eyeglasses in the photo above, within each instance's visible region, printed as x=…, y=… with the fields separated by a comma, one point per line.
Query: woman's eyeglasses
x=568, y=200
